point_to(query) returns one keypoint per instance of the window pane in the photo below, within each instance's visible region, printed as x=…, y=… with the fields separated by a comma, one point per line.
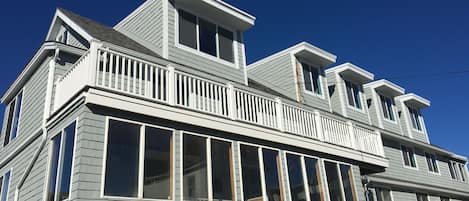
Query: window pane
x=463, y=171
x=435, y=164
x=251, y=174
x=405, y=155
x=1, y=183
x=356, y=94
x=53, y=167
x=11, y=112
x=390, y=105
x=350, y=94
x=221, y=170
x=451, y=170
x=122, y=159
x=6, y=183
x=207, y=37
x=312, y=172
x=271, y=171
x=157, y=172
x=187, y=29
x=307, y=77
x=16, y=118
x=195, y=168
x=412, y=158
x=384, y=107
x=295, y=176
x=225, y=43
x=64, y=187
x=347, y=182
x=383, y=195
x=333, y=181
x=316, y=80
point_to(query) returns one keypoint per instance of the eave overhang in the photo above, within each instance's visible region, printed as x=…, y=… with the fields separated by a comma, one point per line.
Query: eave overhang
x=352, y=72
x=414, y=101
x=386, y=87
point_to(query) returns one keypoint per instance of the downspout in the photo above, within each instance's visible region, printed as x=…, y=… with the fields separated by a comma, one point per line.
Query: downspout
x=46, y=113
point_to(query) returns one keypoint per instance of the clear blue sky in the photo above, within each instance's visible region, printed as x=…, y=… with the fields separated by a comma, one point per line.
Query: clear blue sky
x=422, y=45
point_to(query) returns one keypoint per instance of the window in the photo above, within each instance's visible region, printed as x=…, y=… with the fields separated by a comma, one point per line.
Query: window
x=312, y=79
x=383, y=195
x=415, y=118
x=313, y=178
x=272, y=174
x=196, y=178
x=4, y=187
x=387, y=104
x=123, y=164
x=422, y=197
x=206, y=37
x=444, y=199
x=408, y=156
x=432, y=163
x=62, y=146
x=14, y=111
x=458, y=171
x=353, y=94
x=295, y=178
x=251, y=173
x=340, y=182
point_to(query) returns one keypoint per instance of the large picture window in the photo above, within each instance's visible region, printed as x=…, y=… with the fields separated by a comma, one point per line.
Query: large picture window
x=299, y=185
x=195, y=168
x=312, y=79
x=340, y=181
x=251, y=173
x=272, y=175
x=387, y=105
x=62, y=146
x=206, y=37
x=4, y=186
x=353, y=94
x=13, y=119
x=123, y=172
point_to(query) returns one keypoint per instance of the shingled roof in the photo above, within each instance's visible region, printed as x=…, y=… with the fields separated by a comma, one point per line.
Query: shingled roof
x=106, y=33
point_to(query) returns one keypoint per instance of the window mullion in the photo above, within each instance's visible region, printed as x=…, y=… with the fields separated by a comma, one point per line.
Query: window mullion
x=141, y=162
x=341, y=182
x=197, y=31
x=305, y=178
x=209, y=169
x=261, y=169
x=217, y=41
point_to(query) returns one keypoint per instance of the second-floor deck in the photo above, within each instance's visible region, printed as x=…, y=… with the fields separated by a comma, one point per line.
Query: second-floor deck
x=112, y=70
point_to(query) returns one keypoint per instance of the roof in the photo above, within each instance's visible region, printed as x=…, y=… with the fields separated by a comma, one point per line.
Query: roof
x=351, y=70
x=105, y=33
x=386, y=86
x=414, y=100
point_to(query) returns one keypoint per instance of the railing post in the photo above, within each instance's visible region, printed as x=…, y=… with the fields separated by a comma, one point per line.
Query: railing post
x=318, y=123
x=171, y=83
x=352, y=135
x=94, y=62
x=380, y=143
x=231, y=101
x=280, y=119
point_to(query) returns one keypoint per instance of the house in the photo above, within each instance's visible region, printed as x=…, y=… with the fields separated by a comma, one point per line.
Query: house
x=163, y=106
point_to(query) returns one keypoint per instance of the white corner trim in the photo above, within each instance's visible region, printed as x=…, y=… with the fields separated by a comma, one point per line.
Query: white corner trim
x=341, y=93
x=295, y=80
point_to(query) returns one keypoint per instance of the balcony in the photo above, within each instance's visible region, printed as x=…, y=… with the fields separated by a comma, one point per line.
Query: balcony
x=104, y=68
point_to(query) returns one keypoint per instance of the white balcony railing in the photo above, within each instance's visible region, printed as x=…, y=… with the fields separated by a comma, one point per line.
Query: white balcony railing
x=112, y=70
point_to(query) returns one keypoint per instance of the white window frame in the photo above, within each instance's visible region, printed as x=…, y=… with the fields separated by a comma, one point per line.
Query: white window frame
x=459, y=176
x=431, y=160
x=419, y=119
x=304, y=173
x=208, y=141
x=3, y=183
x=320, y=80
x=141, y=160
x=403, y=160
x=59, y=164
x=22, y=92
x=197, y=51
x=393, y=108
x=338, y=163
x=426, y=195
x=360, y=96
x=386, y=189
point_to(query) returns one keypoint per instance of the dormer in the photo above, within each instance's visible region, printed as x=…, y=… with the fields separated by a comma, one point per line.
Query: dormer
x=381, y=96
x=410, y=106
x=345, y=85
x=204, y=36
x=297, y=73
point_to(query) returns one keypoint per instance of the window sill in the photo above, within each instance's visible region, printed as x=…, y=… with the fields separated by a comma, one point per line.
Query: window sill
x=206, y=56
x=390, y=121
x=356, y=109
x=434, y=173
x=320, y=96
x=411, y=168
x=417, y=131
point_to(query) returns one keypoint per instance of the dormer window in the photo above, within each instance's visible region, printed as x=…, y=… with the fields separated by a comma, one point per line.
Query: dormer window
x=205, y=37
x=387, y=104
x=13, y=119
x=415, y=119
x=353, y=94
x=311, y=76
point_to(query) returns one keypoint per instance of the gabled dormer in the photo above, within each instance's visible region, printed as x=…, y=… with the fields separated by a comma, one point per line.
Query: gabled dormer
x=345, y=83
x=205, y=36
x=381, y=96
x=410, y=106
x=297, y=73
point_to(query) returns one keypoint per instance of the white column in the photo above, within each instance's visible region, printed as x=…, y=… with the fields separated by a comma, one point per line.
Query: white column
x=279, y=108
x=318, y=124
x=351, y=134
x=379, y=143
x=231, y=101
x=94, y=62
x=171, y=82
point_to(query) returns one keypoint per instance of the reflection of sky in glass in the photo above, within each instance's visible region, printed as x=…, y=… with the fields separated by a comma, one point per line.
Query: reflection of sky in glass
x=157, y=173
x=6, y=182
x=333, y=181
x=55, y=163
x=221, y=170
x=271, y=175
x=313, y=178
x=295, y=173
x=251, y=175
x=195, y=168
x=64, y=188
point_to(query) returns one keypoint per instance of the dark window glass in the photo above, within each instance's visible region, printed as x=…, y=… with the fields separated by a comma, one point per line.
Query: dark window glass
x=11, y=112
x=312, y=172
x=415, y=117
x=451, y=170
x=295, y=177
x=157, y=172
x=6, y=184
x=221, y=170
x=463, y=171
x=1, y=183
x=122, y=159
x=56, y=141
x=405, y=155
x=187, y=29
x=347, y=182
x=387, y=105
x=353, y=94
x=333, y=181
x=195, y=168
x=271, y=171
x=311, y=78
x=207, y=37
x=383, y=195
x=66, y=170
x=307, y=77
x=16, y=118
x=412, y=157
x=225, y=43
x=444, y=199
x=251, y=173
x=422, y=197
